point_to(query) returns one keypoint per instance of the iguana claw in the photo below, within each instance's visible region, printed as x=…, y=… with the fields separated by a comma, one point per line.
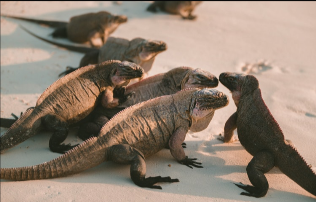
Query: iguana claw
x=251, y=190
x=150, y=181
x=191, y=162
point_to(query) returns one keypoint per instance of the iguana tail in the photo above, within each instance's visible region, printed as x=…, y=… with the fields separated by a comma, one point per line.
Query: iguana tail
x=49, y=23
x=87, y=155
x=79, y=49
x=22, y=129
x=292, y=164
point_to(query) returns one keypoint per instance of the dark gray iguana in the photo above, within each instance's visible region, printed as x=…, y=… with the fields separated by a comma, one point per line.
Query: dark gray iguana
x=133, y=134
x=90, y=27
x=167, y=83
x=69, y=100
x=183, y=8
x=139, y=51
x=262, y=137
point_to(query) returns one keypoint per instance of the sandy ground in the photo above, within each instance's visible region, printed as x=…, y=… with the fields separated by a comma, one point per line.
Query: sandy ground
x=275, y=41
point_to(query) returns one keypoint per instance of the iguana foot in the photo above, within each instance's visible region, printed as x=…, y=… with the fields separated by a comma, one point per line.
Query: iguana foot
x=68, y=70
x=150, y=181
x=63, y=148
x=191, y=162
x=190, y=17
x=251, y=190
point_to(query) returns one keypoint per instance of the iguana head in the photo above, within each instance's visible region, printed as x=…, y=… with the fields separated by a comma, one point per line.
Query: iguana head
x=120, y=19
x=124, y=72
x=238, y=84
x=203, y=104
x=199, y=78
x=150, y=48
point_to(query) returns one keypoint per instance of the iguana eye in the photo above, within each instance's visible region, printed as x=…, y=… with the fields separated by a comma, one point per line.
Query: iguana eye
x=230, y=79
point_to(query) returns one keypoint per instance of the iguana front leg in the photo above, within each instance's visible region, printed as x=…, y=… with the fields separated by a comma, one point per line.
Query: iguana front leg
x=108, y=101
x=124, y=153
x=230, y=126
x=176, y=149
x=261, y=163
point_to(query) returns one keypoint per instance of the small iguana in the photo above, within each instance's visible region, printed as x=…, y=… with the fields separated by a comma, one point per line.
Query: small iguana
x=135, y=133
x=139, y=51
x=69, y=100
x=262, y=137
x=94, y=28
x=183, y=8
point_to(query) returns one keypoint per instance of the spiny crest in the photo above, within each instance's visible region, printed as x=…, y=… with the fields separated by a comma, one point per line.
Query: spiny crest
x=302, y=158
x=63, y=80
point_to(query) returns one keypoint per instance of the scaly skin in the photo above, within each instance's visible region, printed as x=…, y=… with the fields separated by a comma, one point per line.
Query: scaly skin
x=69, y=100
x=158, y=85
x=261, y=136
x=94, y=28
x=182, y=8
x=133, y=134
x=167, y=83
x=139, y=51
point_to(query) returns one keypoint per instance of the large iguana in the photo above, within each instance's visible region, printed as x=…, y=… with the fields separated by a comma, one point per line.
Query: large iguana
x=261, y=136
x=94, y=28
x=69, y=100
x=161, y=84
x=158, y=85
x=183, y=8
x=133, y=134
x=139, y=51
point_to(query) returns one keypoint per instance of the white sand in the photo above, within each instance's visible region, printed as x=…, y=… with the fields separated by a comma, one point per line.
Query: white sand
x=275, y=41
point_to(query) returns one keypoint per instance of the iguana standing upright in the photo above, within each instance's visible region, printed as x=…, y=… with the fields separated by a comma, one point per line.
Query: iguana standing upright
x=183, y=8
x=94, y=28
x=133, y=134
x=69, y=100
x=262, y=137
x=167, y=83
x=138, y=50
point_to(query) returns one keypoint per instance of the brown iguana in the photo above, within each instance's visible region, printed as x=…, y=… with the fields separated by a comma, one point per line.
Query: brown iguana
x=133, y=134
x=139, y=51
x=158, y=85
x=161, y=84
x=261, y=136
x=94, y=28
x=69, y=100
x=183, y=8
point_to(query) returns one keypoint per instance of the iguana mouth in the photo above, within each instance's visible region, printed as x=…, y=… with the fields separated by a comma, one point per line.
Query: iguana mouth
x=120, y=18
x=206, y=82
x=155, y=46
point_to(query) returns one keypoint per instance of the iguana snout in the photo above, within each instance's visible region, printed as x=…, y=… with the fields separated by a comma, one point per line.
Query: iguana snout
x=232, y=81
x=209, y=99
x=129, y=70
x=120, y=18
x=201, y=79
x=151, y=48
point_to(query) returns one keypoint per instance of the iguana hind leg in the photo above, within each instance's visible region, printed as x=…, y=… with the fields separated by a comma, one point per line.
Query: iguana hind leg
x=60, y=128
x=92, y=129
x=261, y=163
x=124, y=153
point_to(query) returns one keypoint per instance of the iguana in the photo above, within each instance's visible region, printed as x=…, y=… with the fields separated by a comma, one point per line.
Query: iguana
x=133, y=134
x=262, y=137
x=69, y=100
x=182, y=8
x=158, y=85
x=161, y=84
x=138, y=50
x=94, y=28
